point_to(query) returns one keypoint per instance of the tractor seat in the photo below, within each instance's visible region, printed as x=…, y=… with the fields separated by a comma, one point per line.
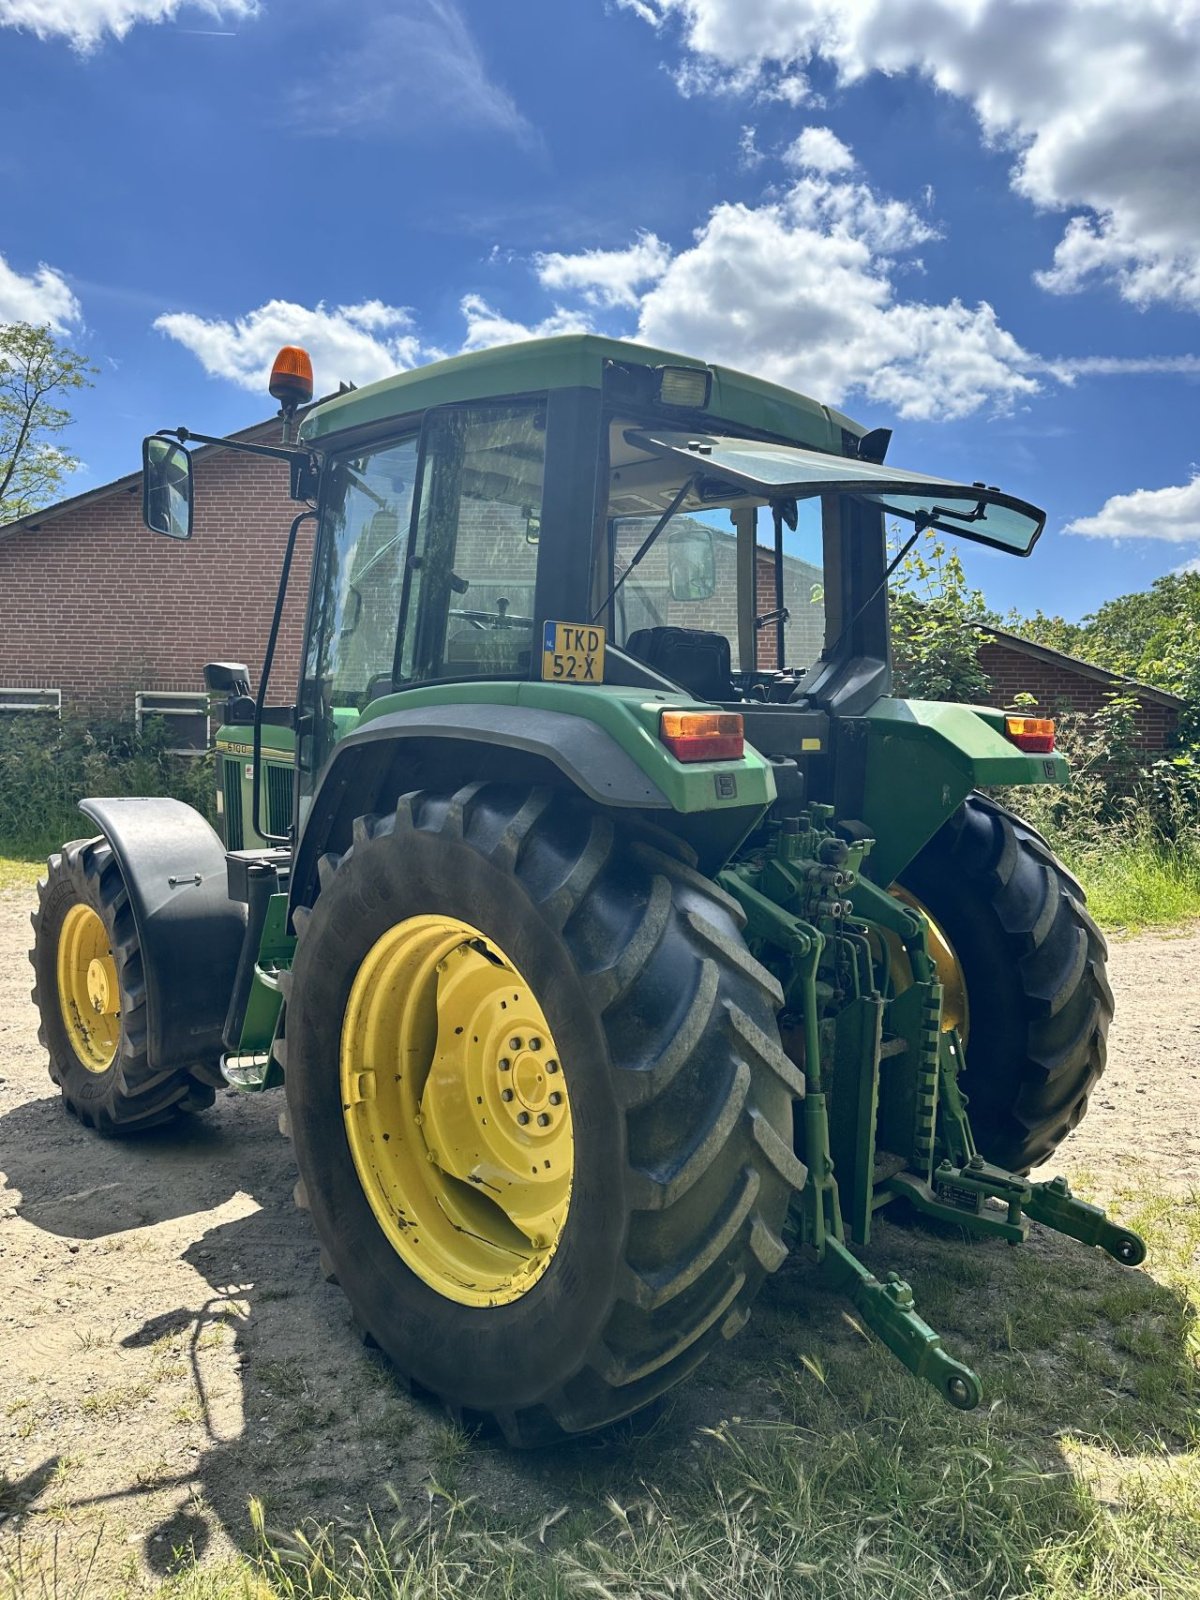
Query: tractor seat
x=694, y=658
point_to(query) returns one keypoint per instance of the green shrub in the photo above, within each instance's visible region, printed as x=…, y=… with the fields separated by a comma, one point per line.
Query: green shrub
x=1128, y=829
x=47, y=766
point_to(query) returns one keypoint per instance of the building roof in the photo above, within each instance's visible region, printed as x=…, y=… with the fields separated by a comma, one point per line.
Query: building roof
x=1085, y=669
x=131, y=483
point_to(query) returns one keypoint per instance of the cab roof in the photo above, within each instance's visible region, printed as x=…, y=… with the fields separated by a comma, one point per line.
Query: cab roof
x=571, y=361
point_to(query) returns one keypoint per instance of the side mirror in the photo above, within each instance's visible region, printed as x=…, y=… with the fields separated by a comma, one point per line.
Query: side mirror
x=166, y=487
x=691, y=562
x=226, y=677
x=351, y=611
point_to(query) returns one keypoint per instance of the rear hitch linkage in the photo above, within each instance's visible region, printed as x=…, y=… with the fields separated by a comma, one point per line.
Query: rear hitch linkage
x=884, y=1117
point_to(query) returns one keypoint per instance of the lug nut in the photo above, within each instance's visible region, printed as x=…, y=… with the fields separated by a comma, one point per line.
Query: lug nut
x=522, y=1117
x=514, y=1043
x=543, y=1120
x=556, y=1098
x=504, y=1063
x=506, y=1094
x=552, y=1066
x=535, y=1043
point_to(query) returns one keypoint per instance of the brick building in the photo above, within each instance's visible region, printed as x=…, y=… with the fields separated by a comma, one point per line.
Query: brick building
x=1062, y=683
x=102, y=615
x=98, y=610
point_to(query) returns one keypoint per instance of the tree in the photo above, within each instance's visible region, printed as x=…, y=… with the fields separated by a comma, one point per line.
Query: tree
x=35, y=372
x=935, y=640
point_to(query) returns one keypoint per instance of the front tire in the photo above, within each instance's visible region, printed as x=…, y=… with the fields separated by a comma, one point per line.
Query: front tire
x=1033, y=961
x=679, y=1093
x=91, y=996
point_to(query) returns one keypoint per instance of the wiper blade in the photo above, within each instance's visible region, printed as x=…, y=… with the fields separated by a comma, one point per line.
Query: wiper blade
x=676, y=501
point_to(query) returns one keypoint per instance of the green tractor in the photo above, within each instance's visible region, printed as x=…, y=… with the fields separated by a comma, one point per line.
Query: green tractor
x=610, y=927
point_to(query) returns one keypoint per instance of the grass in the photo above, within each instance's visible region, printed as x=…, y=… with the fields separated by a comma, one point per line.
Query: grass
x=1139, y=885
x=21, y=872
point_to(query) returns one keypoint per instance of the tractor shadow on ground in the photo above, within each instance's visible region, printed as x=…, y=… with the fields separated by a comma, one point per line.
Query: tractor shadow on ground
x=80, y=1185
x=272, y=1394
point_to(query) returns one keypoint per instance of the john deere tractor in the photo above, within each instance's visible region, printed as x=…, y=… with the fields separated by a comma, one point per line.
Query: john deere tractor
x=610, y=926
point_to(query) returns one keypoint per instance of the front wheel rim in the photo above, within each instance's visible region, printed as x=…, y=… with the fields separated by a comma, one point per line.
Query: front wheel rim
x=89, y=992
x=455, y=1106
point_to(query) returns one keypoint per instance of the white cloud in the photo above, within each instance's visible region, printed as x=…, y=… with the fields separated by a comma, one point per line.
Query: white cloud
x=819, y=150
x=357, y=343
x=605, y=277
x=749, y=155
x=84, y=23
x=1068, y=368
x=414, y=68
x=487, y=326
x=800, y=290
x=42, y=297
x=1172, y=514
x=1187, y=566
x=1097, y=99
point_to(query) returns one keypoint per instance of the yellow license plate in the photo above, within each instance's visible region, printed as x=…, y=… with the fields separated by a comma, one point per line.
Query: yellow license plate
x=573, y=652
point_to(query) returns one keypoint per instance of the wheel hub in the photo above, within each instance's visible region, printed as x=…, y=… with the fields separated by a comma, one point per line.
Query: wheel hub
x=101, y=986
x=456, y=1110
x=89, y=991
x=955, y=1008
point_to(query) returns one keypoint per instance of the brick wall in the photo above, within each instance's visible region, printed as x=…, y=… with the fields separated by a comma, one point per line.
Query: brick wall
x=97, y=606
x=1059, y=688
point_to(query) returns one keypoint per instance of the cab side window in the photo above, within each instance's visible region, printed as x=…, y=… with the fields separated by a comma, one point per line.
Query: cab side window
x=473, y=565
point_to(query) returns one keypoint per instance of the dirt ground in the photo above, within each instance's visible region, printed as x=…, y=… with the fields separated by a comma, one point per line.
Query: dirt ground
x=168, y=1347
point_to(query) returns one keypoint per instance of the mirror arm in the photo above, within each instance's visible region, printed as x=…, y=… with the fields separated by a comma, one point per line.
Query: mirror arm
x=260, y=703
x=186, y=436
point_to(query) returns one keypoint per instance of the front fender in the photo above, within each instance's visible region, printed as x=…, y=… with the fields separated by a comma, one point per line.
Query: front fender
x=189, y=931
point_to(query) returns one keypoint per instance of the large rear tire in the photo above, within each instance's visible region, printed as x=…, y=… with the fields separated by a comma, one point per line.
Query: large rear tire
x=91, y=996
x=1033, y=963
x=679, y=1097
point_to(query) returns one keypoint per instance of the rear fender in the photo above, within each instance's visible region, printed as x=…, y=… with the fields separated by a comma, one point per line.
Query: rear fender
x=189, y=931
x=922, y=758
x=445, y=745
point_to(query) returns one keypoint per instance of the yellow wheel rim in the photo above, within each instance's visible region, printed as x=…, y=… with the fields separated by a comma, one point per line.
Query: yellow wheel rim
x=456, y=1110
x=956, y=1012
x=89, y=994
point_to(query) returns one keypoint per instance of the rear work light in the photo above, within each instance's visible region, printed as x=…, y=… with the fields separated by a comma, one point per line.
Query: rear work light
x=686, y=387
x=703, y=735
x=1034, y=734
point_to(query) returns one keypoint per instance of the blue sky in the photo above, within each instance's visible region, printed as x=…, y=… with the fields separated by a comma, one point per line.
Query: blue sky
x=975, y=221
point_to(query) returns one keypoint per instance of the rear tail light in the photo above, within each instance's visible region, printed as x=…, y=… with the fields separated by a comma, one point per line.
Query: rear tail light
x=703, y=735
x=1034, y=734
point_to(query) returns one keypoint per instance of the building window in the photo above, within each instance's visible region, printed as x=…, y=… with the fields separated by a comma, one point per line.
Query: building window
x=44, y=700
x=186, y=716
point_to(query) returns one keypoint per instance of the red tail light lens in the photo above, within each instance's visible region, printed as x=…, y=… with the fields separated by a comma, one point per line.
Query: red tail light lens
x=703, y=735
x=1034, y=734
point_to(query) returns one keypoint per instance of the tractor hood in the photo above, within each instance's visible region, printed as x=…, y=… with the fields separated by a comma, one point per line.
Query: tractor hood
x=783, y=472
